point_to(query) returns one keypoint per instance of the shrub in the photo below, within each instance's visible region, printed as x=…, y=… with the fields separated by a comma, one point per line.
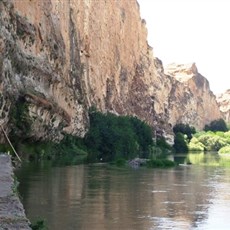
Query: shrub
x=195, y=145
x=212, y=142
x=160, y=163
x=224, y=150
x=227, y=136
x=161, y=143
x=120, y=162
x=39, y=225
x=20, y=120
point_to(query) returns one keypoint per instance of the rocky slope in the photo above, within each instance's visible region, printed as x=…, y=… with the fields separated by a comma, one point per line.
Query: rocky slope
x=59, y=58
x=224, y=104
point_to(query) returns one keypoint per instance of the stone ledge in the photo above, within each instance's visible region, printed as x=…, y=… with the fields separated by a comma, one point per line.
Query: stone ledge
x=12, y=214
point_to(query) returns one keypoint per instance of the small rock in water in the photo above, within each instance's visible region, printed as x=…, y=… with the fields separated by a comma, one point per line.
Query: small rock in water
x=137, y=162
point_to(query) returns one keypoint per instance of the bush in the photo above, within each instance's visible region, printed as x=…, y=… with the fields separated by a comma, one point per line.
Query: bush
x=120, y=162
x=195, y=145
x=212, y=142
x=227, y=136
x=39, y=225
x=20, y=120
x=162, y=144
x=160, y=163
x=224, y=150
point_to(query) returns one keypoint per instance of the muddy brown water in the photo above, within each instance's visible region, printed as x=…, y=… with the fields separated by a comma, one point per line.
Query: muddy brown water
x=102, y=197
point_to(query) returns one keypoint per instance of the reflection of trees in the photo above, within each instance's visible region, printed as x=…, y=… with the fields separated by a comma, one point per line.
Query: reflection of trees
x=133, y=200
x=209, y=159
x=101, y=197
x=180, y=159
x=49, y=193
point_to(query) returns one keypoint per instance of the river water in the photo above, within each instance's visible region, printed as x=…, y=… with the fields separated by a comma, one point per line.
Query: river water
x=102, y=197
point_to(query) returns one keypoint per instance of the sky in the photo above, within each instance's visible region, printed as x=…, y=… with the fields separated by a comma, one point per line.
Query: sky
x=185, y=31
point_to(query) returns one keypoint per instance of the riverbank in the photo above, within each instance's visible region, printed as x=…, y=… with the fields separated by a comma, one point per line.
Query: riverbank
x=12, y=214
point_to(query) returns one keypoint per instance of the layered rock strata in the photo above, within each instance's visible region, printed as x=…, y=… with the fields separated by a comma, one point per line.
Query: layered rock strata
x=59, y=58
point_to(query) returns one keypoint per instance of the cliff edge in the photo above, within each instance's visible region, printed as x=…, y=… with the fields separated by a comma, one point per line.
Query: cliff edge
x=59, y=58
x=191, y=100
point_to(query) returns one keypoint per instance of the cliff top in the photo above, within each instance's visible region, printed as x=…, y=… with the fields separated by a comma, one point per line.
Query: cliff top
x=182, y=72
x=224, y=96
x=224, y=101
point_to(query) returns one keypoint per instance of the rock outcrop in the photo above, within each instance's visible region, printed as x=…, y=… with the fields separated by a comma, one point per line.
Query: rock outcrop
x=224, y=104
x=191, y=100
x=59, y=58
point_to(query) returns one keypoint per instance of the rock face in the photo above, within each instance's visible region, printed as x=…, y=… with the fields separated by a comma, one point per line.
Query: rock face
x=59, y=58
x=191, y=100
x=224, y=104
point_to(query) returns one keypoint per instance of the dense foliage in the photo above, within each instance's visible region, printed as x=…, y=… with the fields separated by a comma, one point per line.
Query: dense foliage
x=216, y=125
x=225, y=150
x=180, y=143
x=185, y=129
x=187, y=139
x=183, y=134
x=210, y=141
x=111, y=137
x=20, y=120
x=160, y=163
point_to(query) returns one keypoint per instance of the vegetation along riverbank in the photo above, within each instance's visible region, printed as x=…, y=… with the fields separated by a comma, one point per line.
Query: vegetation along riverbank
x=120, y=139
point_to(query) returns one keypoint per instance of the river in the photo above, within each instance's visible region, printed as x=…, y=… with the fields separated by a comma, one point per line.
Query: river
x=102, y=197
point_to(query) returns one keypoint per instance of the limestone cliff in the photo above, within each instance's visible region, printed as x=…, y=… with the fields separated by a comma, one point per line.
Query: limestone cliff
x=59, y=58
x=191, y=100
x=224, y=104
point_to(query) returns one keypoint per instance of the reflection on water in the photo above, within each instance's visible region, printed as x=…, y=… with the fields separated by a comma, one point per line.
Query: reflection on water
x=102, y=197
x=207, y=159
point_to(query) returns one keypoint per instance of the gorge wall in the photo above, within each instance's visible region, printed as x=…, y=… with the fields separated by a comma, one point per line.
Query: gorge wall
x=59, y=58
x=191, y=100
x=224, y=105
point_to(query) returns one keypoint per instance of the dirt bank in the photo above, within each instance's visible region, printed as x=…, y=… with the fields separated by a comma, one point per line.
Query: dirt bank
x=12, y=215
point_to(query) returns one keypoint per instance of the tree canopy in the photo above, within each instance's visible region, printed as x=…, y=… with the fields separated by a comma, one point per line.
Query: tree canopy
x=216, y=125
x=110, y=137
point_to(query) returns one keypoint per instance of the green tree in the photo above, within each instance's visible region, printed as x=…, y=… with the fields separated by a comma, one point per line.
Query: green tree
x=180, y=143
x=144, y=136
x=185, y=129
x=216, y=125
x=111, y=137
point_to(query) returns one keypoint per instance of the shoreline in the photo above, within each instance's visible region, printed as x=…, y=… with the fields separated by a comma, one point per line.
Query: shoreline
x=12, y=213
